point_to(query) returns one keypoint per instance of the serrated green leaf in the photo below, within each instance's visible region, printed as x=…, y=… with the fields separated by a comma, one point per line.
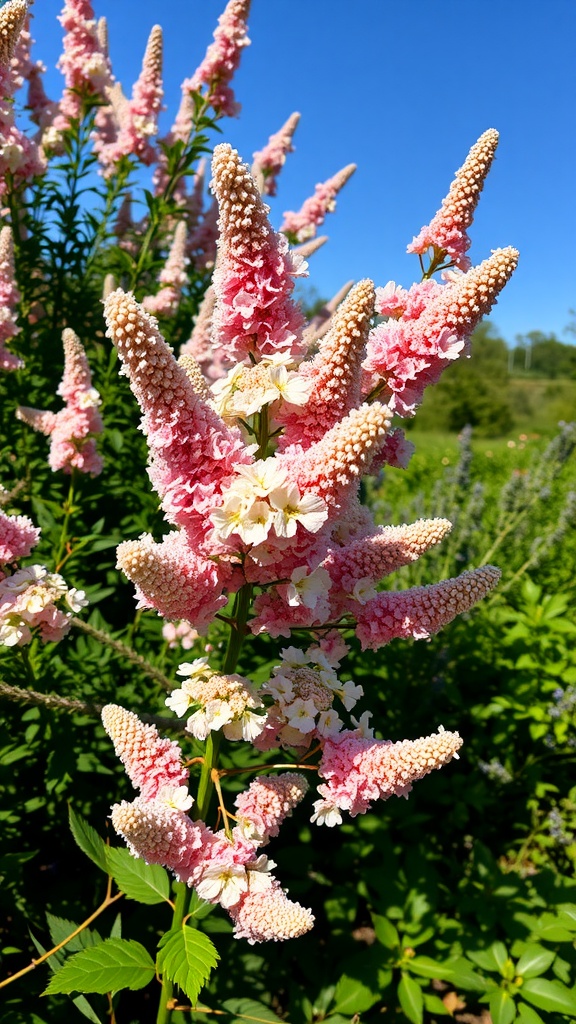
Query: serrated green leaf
x=549, y=995
x=526, y=1015
x=249, y=1009
x=534, y=961
x=88, y=840
x=411, y=999
x=60, y=929
x=114, y=964
x=145, y=883
x=502, y=1007
x=351, y=996
x=187, y=957
x=386, y=933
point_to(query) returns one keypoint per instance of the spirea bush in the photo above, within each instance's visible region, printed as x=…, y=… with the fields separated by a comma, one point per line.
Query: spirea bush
x=246, y=541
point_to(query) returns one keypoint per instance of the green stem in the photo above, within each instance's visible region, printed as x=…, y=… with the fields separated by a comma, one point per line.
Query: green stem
x=180, y=910
x=125, y=652
x=68, y=508
x=235, y=641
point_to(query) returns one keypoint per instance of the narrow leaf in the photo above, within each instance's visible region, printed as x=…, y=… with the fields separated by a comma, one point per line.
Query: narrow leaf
x=411, y=999
x=145, y=883
x=113, y=965
x=187, y=957
x=60, y=929
x=88, y=840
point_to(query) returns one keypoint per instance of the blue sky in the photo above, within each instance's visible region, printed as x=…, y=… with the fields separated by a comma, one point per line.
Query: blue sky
x=402, y=90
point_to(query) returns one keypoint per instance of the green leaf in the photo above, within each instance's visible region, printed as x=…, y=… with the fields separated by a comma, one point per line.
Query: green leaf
x=502, y=1007
x=386, y=933
x=411, y=999
x=425, y=967
x=88, y=840
x=534, y=961
x=60, y=929
x=526, y=1015
x=351, y=996
x=145, y=883
x=460, y=972
x=187, y=957
x=433, y=1004
x=249, y=1009
x=500, y=954
x=114, y=964
x=549, y=995
x=484, y=958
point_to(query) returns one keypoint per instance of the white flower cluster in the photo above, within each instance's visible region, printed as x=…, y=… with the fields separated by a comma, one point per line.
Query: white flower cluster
x=226, y=702
x=261, y=498
x=245, y=390
x=34, y=599
x=303, y=687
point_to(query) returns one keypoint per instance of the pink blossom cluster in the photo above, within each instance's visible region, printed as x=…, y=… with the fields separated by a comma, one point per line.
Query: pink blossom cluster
x=258, y=468
x=72, y=430
x=9, y=299
x=83, y=63
x=223, y=869
x=20, y=158
x=34, y=601
x=300, y=226
x=222, y=59
x=127, y=127
x=268, y=162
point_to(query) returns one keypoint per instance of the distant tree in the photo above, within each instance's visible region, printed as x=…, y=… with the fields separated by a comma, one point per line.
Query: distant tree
x=543, y=355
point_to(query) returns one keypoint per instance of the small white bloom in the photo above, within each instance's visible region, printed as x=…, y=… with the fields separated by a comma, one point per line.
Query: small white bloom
x=362, y=725
x=255, y=523
x=76, y=599
x=179, y=701
x=305, y=589
x=301, y=715
x=295, y=390
x=176, y=797
x=310, y=510
x=349, y=694
x=326, y=814
x=89, y=399
x=293, y=657
x=364, y=590
x=223, y=884
x=281, y=688
x=264, y=475
x=258, y=872
x=198, y=725
x=195, y=669
x=329, y=723
x=218, y=713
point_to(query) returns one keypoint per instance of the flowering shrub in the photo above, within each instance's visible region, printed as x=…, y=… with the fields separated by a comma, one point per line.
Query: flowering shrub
x=258, y=435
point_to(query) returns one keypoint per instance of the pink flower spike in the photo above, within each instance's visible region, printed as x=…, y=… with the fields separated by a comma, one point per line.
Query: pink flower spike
x=174, y=579
x=222, y=59
x=18, y=536
x=12, y=18
x=447, y=231
x=360, y=770
x=333, y=466
x=421, y=611
x=9, y=299
x=161, y=834
x=150, y=761
x=72, y=430
x=173, y=277
x=270, y=916
x=411, y=353
x=301, y=226
x=192, y=451
x=85, y=67
x=372, y=558
x=268, y=162
x=335, y=372
x=138, y=118
x=255, y=315
x=267, y=802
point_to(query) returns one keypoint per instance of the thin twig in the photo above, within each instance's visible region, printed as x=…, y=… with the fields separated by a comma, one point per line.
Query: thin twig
x=125, y=652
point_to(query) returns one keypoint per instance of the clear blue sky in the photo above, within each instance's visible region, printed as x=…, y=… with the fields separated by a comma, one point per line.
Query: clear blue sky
x=401, y=89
